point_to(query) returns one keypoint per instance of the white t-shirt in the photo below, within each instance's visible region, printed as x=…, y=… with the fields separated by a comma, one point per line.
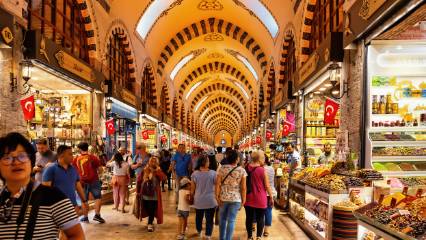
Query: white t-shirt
x=116, y=170
x=183, y=204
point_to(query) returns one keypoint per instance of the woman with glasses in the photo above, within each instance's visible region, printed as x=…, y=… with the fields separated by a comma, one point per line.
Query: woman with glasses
x=29, y=210
x=149, y=196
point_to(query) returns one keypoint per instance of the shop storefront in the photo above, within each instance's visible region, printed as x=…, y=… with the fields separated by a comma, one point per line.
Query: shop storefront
x=175, y=138
x=64, y=92
x=148, y=132
x=164, y=136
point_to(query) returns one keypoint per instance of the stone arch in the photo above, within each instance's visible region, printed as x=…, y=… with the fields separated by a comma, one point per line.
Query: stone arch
x=165, y=100
x=271, y=90
x=90, y=29
x=211, y=26
x=289, y=36
x=306, y=35
x=148, y=89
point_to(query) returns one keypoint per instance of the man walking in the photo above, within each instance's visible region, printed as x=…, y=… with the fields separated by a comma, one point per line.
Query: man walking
x=88, y=167
x=181, y=164
x=64, y=176
x=44, y=157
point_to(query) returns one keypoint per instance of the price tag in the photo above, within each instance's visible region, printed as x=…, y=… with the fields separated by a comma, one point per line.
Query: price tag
x=404, y=212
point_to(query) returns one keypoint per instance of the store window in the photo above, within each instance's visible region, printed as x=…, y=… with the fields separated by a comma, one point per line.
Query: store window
x=328, y=17
x=60, y=21
x=147, y=86
x=118, y=62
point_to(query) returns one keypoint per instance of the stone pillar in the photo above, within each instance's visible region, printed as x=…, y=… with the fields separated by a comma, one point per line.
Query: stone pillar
x=11, y=117
x=351, y=103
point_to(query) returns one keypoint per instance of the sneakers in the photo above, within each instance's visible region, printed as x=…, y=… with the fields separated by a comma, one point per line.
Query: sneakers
x=84, y=219
x=150, y=228
x=180, y=237
x=98, y=218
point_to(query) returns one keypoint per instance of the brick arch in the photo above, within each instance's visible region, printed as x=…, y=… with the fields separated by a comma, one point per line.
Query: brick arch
x=221, y=119
x=89, y=28
x=148, y=89
x=221, y=108
x=289, y=39
x=223, y=126
x=175, y=110
x=165, y=100
x=217, y=87
x=214, y=67
x=306, y=35
x=225, y=101
x=211, y=25
x=221, y=115
x=270, y=92
x=182, y=115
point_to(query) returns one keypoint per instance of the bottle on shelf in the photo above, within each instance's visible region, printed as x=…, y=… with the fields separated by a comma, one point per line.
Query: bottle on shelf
x=389, y=104
x=382, y=105
x=375, y=105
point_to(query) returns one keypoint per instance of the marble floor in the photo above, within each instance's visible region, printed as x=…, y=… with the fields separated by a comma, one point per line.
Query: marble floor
x=121, y=226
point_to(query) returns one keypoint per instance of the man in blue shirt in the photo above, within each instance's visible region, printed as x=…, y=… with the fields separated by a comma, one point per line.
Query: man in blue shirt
x=181, y=163
x=65, y=177
x=140, y=160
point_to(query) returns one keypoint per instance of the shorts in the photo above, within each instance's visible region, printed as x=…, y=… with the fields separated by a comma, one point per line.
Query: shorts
x=183, y=214
x=94, y=188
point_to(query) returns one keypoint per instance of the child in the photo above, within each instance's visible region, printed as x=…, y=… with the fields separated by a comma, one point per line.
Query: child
x=183, y=206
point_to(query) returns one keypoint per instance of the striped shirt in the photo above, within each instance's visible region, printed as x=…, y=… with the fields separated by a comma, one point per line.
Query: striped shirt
x=55, y=213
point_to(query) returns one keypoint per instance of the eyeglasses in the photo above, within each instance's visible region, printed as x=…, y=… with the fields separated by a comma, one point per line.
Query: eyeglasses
x=21, y=157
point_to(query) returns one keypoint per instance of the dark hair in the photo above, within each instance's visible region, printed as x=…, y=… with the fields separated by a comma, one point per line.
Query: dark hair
x=267, y=161
x=236, y=147
x=10, y=142
x=219, y=149
x=83, y=146
x=118, y=158
x=228, y=149
x=201, y=161
x=232, y=156
x=61, y=149
x=42, y=141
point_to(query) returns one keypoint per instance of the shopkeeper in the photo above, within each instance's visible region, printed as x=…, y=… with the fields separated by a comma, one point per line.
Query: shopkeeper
x=327, y=156
x=293, y=158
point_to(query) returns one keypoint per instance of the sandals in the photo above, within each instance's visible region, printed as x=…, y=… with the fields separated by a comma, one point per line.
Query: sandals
x=265, y=234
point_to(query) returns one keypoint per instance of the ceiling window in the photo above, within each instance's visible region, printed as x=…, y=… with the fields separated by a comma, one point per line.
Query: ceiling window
x=264, y=15
x=180, y=65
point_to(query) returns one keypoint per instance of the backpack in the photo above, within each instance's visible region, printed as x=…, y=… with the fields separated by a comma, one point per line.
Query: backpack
x=248, y=180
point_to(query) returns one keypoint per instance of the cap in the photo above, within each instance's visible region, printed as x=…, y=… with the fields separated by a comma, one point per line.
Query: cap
x=184, y=181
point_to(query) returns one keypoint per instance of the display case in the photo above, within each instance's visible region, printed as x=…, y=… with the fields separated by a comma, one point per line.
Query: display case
x=396, y=116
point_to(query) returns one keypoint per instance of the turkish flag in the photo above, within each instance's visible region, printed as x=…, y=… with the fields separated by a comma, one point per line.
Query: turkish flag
x=110, y=126
x=268, y=135
x=28, y=107
x=330, y=110
x=258, y=140
x=145, y=134
x=287, y=126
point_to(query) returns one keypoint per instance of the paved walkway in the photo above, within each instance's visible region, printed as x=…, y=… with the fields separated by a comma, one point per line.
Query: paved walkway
x=121, y=226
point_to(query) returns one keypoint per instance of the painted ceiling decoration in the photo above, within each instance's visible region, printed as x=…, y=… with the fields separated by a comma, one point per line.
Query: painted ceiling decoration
x=244, y=60
x=221, y=108
x=209, y=5
x=191, y=56
x=213, y=37
x=211, y=25
x=220, y=116
x=223, y=100
x=215, y=55
x=221, y=88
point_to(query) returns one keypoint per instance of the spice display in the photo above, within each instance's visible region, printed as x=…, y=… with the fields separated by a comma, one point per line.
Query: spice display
x=369, y=174
x=399, y=151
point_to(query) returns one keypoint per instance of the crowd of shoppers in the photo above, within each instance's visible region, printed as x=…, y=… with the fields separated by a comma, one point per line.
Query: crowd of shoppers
x=217, y=185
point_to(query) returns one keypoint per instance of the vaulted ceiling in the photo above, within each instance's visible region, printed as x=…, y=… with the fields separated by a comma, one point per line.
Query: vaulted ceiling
x=215, y=53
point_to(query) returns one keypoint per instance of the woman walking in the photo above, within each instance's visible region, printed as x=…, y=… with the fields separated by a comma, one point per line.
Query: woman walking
x=120, y=180
x=149, y=195
x=257, y=201
x=270, y=172
x=29, y=210
x=203, y=190
x=165, y=162
x=230, y=194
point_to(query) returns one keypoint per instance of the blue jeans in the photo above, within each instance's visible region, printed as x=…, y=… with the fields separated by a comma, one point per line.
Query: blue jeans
x=199, y=215
x=228, y=213
x=268, y=216
x=95, y=188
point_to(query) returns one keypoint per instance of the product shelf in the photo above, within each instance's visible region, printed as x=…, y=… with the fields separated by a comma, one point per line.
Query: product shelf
x=316, y=215
x=398, y=143
x=403, y=173
x=399, y=158
x=314, y=232
x=396, y=129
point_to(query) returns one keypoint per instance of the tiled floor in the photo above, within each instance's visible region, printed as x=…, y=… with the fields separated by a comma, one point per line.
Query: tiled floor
x=126, y=226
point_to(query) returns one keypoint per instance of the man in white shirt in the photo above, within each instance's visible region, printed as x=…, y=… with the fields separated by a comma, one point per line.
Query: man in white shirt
x=293, y=158
x=219, y=155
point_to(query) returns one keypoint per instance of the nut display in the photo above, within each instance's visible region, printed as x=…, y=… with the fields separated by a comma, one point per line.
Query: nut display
x=369, y=174
x=353, y=182
x=399, y=151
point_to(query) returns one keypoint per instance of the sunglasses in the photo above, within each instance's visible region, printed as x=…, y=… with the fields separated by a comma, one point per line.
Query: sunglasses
x=21, y=157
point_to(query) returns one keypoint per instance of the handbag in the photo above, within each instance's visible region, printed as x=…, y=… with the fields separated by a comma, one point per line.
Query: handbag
x=148, y=188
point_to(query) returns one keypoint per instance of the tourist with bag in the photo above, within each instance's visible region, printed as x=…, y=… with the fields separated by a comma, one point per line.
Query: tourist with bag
x=149, y=194
x=120, y=181
x=30, y=210
x=257, y=200
x=230, y=194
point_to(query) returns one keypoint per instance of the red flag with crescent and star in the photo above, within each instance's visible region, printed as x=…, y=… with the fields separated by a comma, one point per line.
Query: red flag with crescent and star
x=110, y=126
x=145, y=134
x=287, y=126
x=268, y=135
x=28, y=107
x=330, y=110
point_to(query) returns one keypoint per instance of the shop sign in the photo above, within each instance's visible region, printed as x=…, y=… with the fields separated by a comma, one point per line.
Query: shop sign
x=308, y=68
x=258, y=140
x=128, y=97
x=17, y=8
x=369, y=7
x=68, y=62
x=268, y=135
x=7, y=35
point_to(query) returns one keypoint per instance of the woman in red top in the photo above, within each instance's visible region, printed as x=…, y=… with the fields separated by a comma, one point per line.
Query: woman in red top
x=257, y=200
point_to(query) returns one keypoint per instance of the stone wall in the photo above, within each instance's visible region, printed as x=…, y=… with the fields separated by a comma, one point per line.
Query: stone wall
x=11, y=117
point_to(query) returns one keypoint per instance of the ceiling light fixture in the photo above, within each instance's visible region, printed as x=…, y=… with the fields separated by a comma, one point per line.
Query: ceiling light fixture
x=322, y=89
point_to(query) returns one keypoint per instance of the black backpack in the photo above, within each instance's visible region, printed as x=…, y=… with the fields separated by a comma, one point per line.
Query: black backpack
x=249, y=186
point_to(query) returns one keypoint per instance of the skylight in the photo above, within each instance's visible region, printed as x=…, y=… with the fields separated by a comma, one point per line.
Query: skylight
x=200, y=102
x=192, y=89
x=180, y=65
x=204, y=113
x=263, y=14
x=242, y=89
x=150, y=16
x=248, y=65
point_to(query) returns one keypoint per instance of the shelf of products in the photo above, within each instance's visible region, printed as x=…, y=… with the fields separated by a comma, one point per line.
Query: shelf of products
x=369, y=232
